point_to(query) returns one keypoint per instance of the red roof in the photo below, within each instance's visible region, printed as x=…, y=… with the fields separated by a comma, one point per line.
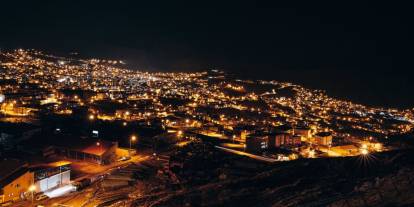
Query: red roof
x=98, y=148
x=86, y=145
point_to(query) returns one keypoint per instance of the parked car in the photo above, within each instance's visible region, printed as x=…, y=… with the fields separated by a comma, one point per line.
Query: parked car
x=85, y=182
x=124, y=159
x=41, y=197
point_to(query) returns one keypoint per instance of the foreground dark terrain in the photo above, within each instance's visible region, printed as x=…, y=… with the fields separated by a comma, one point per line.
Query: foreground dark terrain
x=376, y=180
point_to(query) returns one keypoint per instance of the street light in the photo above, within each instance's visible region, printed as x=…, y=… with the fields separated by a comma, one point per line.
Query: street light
x=32, y=189
x=132, y=139
x=364, y=151
x=312, y=153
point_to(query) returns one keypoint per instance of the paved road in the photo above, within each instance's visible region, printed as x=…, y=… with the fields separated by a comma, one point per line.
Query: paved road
x=253, y=156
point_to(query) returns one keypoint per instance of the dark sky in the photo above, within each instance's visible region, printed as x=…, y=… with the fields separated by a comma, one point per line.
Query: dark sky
x=356, y=51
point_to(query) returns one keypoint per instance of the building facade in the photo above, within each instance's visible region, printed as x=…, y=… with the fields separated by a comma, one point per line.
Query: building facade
x=322, y=138
x=15, y=181
x=90, y=150
x=256, y=143
x=52, y=175
x=284, y=140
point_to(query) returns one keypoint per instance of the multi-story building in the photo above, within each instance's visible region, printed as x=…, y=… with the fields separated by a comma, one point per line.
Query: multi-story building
x=322, y=138
x=304, y=132
x=277, y=140
x=257, y=143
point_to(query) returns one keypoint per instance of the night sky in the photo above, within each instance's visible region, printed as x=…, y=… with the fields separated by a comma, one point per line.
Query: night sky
x=361, y=52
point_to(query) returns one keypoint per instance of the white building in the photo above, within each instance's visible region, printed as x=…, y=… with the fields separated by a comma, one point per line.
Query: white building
x=52, y=175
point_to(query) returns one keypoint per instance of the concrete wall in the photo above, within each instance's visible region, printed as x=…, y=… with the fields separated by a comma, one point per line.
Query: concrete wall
x=53, y=181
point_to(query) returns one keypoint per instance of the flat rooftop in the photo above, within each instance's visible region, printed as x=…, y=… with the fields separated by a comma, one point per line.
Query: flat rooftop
x=51, y=164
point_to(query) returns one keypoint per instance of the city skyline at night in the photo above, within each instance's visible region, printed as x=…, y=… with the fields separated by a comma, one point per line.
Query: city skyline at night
x=321, y=45
x=128, y=103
